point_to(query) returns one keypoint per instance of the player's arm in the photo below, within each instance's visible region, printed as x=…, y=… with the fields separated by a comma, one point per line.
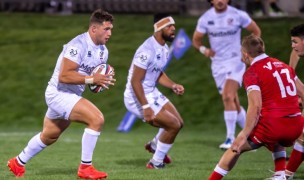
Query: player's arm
x=68, y=74
x=294, y=59
x=197, y=40
x=252, y=118
x=300, y=89
x=165, y=81
x=136, y=82
x=254, y=28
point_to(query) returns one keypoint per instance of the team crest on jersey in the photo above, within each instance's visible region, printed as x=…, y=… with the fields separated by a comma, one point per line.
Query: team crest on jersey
x=89, y=54
x=230, y=21
x=210, y=22
x=73, y=52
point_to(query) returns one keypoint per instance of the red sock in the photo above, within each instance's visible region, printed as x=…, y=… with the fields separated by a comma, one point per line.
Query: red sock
x=215, y=176
x=295, y=160
x=83, y=166
x=280, y=164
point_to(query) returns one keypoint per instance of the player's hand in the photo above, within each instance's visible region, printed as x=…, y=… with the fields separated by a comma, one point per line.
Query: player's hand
x=149, y=115
x=240, y=140
x=209, y=52
x=104, y=80
x=178, y=89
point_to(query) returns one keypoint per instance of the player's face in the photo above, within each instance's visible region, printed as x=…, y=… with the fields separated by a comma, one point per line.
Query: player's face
x=168, y=33
x=220, y=5
x=245, y=57
x=103, y=32
x=297, y=45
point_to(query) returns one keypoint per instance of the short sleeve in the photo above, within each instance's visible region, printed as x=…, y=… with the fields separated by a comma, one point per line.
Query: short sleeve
x=245, y=19
x=142, y=59
x=251, y=79
x=201, y=25
x=72, y=53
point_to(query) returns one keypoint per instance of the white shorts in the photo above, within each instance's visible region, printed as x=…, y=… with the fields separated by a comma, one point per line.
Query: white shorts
x=60, y=104
x=155, y=98
x=223, y=71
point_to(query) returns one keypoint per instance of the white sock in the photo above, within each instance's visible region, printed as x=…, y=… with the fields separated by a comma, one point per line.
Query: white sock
x=155, y=139
x=160, y=152
x=230, y=120
x=34, y=146
x=241, y=117
x=221, y=171
x=89, y=140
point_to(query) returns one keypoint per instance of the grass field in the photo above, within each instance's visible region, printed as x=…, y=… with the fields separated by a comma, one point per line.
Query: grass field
x=29, y=46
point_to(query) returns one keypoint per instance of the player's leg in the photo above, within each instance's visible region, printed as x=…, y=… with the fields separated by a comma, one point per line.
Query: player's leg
x=86, y=112
x=169, y=119
x=296, y=157
x=227, y=162
x=279, y=158
x=230, y=111
x=241, y=116
x=50, y=133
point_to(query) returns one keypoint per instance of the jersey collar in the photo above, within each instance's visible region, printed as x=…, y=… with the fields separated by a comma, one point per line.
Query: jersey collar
x=259, y=57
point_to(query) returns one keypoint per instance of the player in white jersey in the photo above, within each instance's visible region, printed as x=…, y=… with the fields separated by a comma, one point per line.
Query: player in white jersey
x=142, y=97
x=63, y=96
x=223, y=23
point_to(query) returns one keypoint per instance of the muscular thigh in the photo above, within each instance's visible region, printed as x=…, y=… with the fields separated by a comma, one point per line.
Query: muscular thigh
x=168, y=116
x=85, y=111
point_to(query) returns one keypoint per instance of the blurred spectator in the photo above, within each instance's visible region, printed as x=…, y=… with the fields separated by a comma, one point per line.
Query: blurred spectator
x=267, y=8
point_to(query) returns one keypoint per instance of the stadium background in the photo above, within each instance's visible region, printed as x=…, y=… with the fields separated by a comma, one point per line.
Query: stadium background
x=30, y=43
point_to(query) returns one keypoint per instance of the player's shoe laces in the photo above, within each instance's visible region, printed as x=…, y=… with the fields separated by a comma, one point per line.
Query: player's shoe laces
x=15, y=167
x=89, y=172
x=149, y=148
x=227, y=144
x=151, y=165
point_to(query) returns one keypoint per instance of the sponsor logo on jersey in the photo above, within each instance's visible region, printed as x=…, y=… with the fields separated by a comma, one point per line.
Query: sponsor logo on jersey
x=222, y=34
x=156, y=69
x=87, y=68
x=89, y=54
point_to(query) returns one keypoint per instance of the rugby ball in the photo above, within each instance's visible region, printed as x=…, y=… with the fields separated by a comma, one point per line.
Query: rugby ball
x=105, y=69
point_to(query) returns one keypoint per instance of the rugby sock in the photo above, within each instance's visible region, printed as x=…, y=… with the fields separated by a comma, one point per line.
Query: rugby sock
x=34, y=146
x=89, y=140
x=160, y=152
x=155, y=139
x=241, y=117
x=296, y=158
x=279, y=160
x=218, y=173
x=230, y=120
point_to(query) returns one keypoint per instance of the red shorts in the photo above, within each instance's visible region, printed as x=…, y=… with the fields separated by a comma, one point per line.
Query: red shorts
x=272, y=131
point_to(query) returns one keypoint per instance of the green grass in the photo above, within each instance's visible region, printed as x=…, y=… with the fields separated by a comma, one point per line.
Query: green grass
x=29, y=47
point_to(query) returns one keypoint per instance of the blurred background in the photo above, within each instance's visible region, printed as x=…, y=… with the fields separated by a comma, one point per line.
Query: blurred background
x=258, y=8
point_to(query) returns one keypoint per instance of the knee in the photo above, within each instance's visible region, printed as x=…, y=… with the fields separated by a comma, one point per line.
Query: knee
x=228, y=97
x=177, y=125
x=97, y=122
x=49, y=139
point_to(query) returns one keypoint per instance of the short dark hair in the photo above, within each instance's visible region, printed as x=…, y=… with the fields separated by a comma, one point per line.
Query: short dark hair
x=253, y=45
x=99, y=16
x=297, y=31
x=209, y=1
x=160, y=16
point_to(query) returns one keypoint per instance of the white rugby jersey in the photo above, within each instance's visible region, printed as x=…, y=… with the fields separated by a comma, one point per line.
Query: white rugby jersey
x=84, y=52
x=224, y=32
x=152, y=57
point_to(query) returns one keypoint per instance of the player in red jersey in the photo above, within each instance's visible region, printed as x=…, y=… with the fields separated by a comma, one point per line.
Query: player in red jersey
x=297, y=154
x=273, y=117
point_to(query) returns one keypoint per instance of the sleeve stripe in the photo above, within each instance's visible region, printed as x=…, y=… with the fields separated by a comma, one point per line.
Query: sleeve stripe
x=252, y=87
